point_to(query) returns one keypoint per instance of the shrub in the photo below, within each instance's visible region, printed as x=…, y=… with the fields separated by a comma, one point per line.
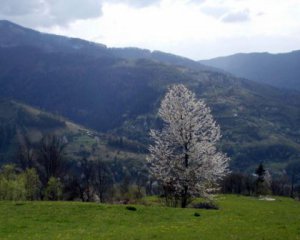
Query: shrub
x=53, y=191
x=131, y=208
x=197, y=214
x=32, y=184
x=206, y=205
x=12, y=186
x=129, y=194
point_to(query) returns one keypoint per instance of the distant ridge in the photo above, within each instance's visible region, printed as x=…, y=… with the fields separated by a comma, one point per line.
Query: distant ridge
x=280, y=70
x=13, y=35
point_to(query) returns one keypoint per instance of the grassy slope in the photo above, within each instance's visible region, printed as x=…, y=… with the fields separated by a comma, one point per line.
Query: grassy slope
x=239, y=218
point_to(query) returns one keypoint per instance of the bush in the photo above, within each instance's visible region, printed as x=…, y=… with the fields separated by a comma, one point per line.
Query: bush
x=12, y=189
x=197, y=214
x=206, y=205
x=12, y=185
x=53, y=191
x=19, y=186
x=131, y=194
x=32, y=184
x=131, y=208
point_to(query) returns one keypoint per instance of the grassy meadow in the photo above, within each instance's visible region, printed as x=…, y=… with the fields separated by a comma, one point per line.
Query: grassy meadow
x=238, y=218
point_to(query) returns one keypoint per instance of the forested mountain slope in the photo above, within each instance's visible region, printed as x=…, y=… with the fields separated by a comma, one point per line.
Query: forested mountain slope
x=121, y=95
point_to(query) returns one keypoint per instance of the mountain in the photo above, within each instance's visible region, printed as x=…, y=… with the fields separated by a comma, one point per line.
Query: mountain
x=119, y=94
x=13, y=35
x=279, y=70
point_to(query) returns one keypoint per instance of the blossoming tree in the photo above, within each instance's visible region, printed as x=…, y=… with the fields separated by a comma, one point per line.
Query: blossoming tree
x=184, y=156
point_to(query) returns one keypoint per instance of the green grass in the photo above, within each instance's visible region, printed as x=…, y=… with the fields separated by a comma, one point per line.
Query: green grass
x=238, y=218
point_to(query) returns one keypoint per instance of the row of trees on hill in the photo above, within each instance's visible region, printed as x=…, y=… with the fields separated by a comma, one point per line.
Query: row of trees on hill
x=58, y=178
x=96, y=180
x=183, y=163
x=88, y=180
x=261, y=182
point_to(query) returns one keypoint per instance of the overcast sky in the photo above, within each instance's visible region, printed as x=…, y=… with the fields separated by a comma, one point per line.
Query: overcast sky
x=198, y=29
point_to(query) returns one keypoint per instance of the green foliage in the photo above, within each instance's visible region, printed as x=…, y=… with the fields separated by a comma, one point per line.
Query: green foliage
x=19, y=186
x=53, y=191
x=12, y=185
x=238, y=218
x=130, y=193
x=32, y=184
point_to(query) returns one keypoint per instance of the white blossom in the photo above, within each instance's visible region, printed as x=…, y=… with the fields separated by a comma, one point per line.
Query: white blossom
x=184, y=152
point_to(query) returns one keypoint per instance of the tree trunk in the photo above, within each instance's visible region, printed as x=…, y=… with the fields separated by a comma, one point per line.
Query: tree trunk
x=292, y=187
x=184, y=197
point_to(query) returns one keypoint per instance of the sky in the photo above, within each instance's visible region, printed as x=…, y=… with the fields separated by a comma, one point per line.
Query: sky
x=198, y=29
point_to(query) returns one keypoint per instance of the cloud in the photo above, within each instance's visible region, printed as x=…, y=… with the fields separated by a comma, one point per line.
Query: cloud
x=49, y=12
x=194, y=28
x=15, y=7
x=46, y=13
x=196, y=1
x=239, y=16
x=136, y=3
x=214, y=11
x=230, y=11
x=67, y=10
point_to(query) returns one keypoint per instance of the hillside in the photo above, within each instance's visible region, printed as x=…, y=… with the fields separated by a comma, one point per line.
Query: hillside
x=20, y=122
x=238, y=218
x=279, y=70
x=120, y=96
x=13, y=35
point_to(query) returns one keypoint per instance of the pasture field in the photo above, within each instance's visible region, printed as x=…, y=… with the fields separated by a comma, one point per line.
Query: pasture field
x=239, y=217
